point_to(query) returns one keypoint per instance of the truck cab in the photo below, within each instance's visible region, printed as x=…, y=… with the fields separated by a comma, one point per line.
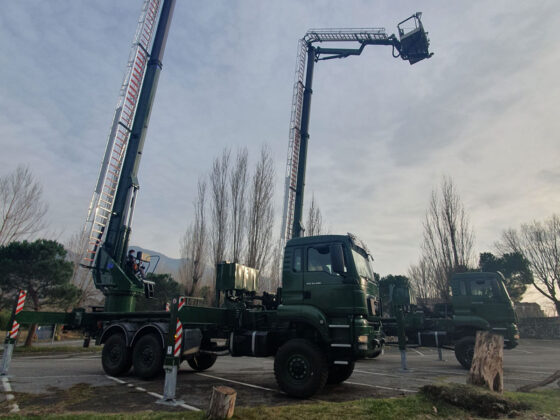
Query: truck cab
x=328, y=280
x=479, y=302
x=482, y=299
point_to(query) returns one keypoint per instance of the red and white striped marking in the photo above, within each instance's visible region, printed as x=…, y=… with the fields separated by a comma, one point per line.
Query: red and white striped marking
x=14, y=331
x=167, y=307
x=182, y=302
x=21, y=301
x=178, y=339
x=19, y=307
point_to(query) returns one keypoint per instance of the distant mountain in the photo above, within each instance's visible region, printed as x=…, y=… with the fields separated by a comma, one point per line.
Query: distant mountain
x=166, y=265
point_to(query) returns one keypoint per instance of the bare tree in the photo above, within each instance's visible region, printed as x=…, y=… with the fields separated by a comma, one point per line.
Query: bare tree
x=448, y=238
x=193, y=245
x=421, y=279
x=314, y=225
x=81, y=277
x=22, y=210
x=219, y=205
x=275, y=269
x=539, y=243
x=238, y=188
x=261, y=214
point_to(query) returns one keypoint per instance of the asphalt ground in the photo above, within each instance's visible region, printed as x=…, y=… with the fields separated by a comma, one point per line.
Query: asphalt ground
x=48, y=376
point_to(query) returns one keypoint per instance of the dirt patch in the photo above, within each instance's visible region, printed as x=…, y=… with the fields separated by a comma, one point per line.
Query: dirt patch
x=475, y=400
x=85, y=398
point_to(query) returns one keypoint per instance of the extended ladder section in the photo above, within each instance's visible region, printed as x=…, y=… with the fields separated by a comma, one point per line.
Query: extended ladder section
x=313, y=35
x=103, y=197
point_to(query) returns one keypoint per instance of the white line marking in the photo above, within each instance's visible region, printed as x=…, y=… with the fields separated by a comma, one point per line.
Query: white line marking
x=153, y=394
x=522, y=351
x=237, y=382
x=9, y=396
x=382, y=387
x=115, y=379
x=188, y=407
x=420, y=353
x=6, y=384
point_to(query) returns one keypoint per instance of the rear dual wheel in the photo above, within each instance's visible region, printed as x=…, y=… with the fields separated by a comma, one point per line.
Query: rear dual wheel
x=202, y=361
x=116, y=357
x=147, y=356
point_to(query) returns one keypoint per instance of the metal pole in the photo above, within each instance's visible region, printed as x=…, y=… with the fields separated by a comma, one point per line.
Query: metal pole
x=172, y=356
x=402, y=338
x=12, y=334
x=304, y=138
x=440, y=355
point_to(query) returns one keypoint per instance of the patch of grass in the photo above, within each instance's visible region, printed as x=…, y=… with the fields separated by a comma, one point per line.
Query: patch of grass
x=545, y=401
x=477, y=400
x=79, y=403
x=56, y=349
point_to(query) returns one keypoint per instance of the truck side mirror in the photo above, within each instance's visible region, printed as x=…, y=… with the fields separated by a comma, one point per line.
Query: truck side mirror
x=337, y=259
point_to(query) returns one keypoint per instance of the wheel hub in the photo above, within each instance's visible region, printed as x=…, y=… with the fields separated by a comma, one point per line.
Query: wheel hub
x=115, y=354
x=147, y=355
x=298, y=367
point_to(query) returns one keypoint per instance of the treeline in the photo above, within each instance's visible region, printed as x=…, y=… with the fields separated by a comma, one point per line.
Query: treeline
x=526, y=256
x=233, y=220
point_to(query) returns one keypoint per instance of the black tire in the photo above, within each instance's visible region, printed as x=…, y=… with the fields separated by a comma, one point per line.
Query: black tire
x=464, y=351
x=116, y=356
x=339, y=373
x=300, y=368
x=202, y=361
x=147, y=356
x=378, y=352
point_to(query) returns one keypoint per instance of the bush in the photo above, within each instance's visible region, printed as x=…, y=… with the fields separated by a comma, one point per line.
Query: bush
x=4, y=319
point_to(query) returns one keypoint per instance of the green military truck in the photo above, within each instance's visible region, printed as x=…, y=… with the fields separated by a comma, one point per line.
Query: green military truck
x=321, y=321
x=479, y=301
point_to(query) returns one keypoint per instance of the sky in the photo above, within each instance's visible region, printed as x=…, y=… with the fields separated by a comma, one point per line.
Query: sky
x=482, y=110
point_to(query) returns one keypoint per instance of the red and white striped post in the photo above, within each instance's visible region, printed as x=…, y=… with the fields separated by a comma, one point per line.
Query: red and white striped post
x=11, y=337
x=173, y=352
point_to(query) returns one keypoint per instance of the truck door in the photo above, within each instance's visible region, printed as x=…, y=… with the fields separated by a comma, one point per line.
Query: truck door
x=322, y=286
x=488, y=302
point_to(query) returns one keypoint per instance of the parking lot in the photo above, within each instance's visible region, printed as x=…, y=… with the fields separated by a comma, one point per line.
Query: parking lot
x=35, y=380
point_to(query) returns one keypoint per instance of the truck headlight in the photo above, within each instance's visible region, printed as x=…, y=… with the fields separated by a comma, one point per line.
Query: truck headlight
x=363, y=339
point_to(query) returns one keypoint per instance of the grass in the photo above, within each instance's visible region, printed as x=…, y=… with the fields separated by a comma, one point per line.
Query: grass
x=543, y=405
x=56, y=349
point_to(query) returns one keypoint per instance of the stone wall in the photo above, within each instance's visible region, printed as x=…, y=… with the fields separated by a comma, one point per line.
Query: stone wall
x=544, y=328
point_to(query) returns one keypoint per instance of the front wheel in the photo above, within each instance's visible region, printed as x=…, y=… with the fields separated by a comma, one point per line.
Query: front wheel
x=202, y=361
x=300, y=368
x=339, y=373
x=378, y=352
x=147, y=356
x=115, y=356
x=464, y=351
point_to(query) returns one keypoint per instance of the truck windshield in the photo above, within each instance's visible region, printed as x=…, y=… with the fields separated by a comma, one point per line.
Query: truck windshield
x=362, y=265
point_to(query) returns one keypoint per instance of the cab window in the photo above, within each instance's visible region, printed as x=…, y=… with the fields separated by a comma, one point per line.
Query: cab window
x=319, y=259
x=297, y=261
x=482, y=288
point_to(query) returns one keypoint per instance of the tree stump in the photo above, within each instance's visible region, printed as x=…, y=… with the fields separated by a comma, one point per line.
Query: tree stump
x=222, y=403
x=487, y=368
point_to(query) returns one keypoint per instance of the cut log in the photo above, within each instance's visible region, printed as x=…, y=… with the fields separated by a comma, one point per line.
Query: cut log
x=487, y=369
x=549, y=380
x=222, y=403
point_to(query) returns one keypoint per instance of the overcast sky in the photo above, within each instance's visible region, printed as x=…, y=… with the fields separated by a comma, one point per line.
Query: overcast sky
x=483, y=110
